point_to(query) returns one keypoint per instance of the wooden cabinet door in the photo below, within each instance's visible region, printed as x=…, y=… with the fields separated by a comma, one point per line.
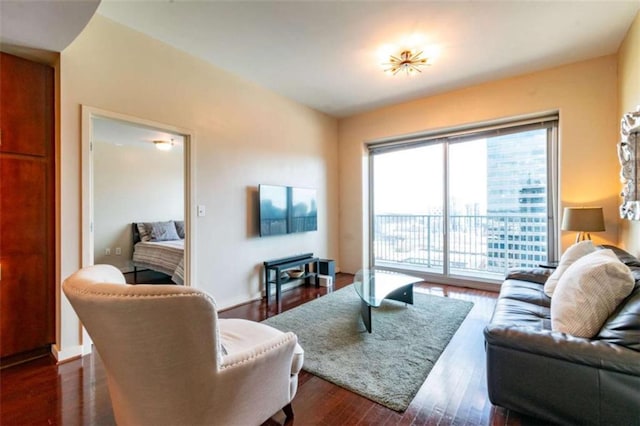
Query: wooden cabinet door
x=26, y=116
x=27, y=228
x=27, y=297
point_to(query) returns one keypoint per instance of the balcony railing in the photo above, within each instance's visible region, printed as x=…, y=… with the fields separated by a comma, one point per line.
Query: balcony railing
x=482, y=245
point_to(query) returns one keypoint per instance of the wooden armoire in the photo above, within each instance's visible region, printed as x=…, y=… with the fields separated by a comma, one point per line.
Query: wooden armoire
x=27, y=209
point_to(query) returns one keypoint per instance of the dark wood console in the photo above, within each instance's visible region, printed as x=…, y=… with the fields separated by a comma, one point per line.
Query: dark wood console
x=278, y=266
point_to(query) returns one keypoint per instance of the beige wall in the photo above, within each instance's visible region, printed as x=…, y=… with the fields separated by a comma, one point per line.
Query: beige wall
x=244, y=135
x=585, y=96
x=132, y=183
x=629, y=100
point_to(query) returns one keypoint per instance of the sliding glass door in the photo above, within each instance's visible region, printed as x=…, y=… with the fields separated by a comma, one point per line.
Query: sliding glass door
x=408, y=196
x=469, y=204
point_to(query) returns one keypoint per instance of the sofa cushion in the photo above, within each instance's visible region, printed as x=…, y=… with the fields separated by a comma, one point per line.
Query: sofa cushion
x=588, y=292
x=572, y=254
x=623, y=326
x=535, y=275
x=522, y=304
x=624, y=256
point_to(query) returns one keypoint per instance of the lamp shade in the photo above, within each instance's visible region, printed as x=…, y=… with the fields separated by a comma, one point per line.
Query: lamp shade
x=583, y=219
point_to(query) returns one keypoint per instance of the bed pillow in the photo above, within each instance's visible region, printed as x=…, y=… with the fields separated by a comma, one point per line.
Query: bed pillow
x=179, y=228
x=144, y=229
x=588, y=292
x=164, y=231
x=572, y=254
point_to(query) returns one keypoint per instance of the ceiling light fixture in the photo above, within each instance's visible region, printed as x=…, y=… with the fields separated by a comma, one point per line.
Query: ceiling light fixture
x=164, y=145
x=407, y=62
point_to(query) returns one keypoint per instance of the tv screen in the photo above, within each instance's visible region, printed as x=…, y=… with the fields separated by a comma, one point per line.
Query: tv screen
x=303, y=210
x=286, y=209
x=274, y=203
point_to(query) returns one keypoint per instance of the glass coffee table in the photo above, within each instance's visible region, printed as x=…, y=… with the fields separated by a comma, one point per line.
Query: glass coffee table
x=375, y=285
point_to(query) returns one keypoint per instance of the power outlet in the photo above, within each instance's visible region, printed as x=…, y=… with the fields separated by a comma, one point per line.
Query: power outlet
x=118, y=251
x=107, y=252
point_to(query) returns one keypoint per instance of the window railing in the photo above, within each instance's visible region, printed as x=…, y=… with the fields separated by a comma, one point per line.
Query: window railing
x=484, y=245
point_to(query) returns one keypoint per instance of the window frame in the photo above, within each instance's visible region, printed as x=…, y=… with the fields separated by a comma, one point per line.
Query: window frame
x=448, y=136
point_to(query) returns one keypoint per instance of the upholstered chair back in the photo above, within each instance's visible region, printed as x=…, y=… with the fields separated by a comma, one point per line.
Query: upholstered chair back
x=161, y=350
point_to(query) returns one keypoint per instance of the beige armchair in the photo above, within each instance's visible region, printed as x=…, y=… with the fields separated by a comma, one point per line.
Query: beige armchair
x=170, y=360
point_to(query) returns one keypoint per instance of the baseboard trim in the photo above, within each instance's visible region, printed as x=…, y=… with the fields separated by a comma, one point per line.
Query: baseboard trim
x=67, y=354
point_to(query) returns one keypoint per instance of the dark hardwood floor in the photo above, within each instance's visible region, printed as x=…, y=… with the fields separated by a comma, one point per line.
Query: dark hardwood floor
x=75, y=392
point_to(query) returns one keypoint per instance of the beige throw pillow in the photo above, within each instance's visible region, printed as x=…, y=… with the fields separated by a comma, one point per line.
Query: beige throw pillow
x=572, y=254
x=588, y=292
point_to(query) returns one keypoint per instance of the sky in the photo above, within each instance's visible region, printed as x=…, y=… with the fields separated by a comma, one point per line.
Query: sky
x=411, y=181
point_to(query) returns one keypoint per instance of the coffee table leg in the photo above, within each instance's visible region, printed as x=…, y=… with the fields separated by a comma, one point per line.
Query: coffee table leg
x=403, y=294
x=365, y=311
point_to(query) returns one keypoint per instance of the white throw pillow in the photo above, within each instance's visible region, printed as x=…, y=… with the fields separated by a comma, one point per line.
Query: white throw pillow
x=572, y=254
x=588, y=292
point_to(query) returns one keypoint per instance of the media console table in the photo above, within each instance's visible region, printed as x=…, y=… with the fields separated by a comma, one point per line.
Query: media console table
x=278, y=266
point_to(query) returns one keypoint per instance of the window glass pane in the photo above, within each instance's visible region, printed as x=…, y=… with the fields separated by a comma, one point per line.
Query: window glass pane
x=497, y=203
x=517, y=199
x=468, y=206
x=408, y=193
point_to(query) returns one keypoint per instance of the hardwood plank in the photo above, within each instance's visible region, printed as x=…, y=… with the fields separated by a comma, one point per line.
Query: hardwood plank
x=75, y=393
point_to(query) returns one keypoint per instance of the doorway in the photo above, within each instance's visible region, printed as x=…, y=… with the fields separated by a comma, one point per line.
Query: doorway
x=134, y=171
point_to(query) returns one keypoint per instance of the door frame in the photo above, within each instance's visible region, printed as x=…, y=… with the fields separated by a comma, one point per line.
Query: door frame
x=87, y=195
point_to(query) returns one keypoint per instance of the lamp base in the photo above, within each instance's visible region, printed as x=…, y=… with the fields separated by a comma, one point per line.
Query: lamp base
x=582, y=236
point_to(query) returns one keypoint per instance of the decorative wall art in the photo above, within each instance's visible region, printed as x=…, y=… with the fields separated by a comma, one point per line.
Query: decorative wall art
x=629, y=156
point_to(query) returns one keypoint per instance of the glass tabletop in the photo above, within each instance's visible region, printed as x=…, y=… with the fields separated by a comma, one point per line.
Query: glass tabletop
x=373, y=285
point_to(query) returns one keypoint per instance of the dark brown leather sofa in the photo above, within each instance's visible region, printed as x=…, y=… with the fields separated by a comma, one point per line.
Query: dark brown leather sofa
x=557, y=377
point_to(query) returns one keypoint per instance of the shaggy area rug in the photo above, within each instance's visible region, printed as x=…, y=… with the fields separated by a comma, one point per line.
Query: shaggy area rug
x=387, y=366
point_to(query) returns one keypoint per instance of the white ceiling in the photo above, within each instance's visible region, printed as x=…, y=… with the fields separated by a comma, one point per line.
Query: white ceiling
x=324, y=54
x=49, y=25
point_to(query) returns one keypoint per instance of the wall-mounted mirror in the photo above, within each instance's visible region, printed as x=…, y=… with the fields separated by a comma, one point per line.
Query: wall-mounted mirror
x=629, y=156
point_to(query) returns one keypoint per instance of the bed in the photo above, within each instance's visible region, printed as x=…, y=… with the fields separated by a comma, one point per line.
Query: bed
x=165, y=255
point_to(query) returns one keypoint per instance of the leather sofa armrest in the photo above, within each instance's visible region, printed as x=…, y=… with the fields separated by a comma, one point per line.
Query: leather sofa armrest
x=536, y=275
x=593, y=353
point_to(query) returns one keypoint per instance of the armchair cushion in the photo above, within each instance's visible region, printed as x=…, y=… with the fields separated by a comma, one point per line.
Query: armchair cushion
x=239, y=335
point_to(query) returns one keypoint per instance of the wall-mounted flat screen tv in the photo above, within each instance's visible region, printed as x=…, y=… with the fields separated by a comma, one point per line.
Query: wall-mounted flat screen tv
x=274, y=207
x=303, y=211
x=287, y=209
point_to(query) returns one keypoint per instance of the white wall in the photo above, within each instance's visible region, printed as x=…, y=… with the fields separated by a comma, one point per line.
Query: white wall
x=244, y=135
x=132, y=183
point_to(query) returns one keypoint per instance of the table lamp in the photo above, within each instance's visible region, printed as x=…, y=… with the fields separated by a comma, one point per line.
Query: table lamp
x=583, y=220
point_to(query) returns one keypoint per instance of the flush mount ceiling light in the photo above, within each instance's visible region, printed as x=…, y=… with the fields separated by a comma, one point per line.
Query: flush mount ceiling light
x=164, y=145
x=408, y=62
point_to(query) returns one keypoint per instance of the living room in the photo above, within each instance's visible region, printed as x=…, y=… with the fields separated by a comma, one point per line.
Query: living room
x=245, y=135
